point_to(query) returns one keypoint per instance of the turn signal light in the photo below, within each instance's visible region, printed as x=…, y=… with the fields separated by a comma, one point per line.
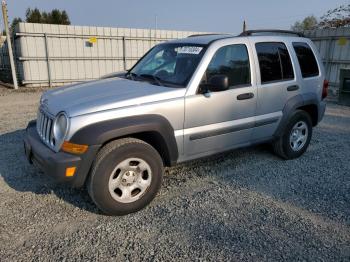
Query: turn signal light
x=74, y=148
x=70, y=171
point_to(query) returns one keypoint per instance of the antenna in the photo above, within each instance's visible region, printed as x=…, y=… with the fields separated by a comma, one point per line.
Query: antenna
x=244, y=26
x=155, y=24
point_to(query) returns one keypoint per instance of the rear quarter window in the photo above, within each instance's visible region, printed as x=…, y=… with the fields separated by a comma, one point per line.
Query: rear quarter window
x=306, y=58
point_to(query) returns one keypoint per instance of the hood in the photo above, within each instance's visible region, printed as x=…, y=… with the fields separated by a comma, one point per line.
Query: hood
x=100, y=95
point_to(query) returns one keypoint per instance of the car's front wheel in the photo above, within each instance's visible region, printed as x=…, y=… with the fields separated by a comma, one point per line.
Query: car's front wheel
x=125, y=176
x=296, y=136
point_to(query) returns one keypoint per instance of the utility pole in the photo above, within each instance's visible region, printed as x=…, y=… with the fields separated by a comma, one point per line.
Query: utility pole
x=9, y=44
x=155, y=26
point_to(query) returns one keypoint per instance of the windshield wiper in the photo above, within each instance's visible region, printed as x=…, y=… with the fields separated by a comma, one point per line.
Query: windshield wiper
x=155, y=78
x=133, y=76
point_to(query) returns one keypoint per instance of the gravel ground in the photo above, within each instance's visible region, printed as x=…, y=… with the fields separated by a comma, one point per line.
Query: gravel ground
x=246, y=205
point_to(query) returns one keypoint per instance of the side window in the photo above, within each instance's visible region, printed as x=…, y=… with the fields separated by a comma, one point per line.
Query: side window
x=232, y=61
x=274, y=62
x=307, y=60
x=287, y=68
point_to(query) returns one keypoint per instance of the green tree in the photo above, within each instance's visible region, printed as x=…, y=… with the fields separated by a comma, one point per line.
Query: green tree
x=15, y=21
x=58, y=17
x=54, y=17
x=33, y=16
x=45, y=19
x=308, y=23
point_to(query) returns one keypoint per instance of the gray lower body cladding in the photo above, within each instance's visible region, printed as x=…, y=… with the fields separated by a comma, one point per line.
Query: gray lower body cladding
x=54, y=164
x=233, y=129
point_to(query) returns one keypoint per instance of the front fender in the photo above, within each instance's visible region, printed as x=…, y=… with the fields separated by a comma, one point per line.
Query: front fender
x=102, y=132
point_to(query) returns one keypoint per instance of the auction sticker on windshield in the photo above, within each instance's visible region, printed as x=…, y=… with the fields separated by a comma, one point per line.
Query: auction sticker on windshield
x=193, y=50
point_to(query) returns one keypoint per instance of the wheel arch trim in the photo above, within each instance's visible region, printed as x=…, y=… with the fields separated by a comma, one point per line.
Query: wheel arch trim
x=102, y=132
x=292, y=104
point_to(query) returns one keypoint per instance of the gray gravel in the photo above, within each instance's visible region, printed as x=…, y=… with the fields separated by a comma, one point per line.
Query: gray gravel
x=246, y=205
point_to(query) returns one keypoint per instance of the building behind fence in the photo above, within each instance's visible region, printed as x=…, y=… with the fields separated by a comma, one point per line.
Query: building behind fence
x=59, y=54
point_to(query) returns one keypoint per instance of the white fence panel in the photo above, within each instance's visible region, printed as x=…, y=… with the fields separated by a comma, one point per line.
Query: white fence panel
x=60, y=54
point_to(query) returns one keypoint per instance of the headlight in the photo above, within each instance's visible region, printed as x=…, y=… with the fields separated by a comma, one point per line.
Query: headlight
x=60, y=127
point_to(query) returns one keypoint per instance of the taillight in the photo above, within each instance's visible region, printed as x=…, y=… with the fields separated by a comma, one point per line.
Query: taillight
x=325, y=89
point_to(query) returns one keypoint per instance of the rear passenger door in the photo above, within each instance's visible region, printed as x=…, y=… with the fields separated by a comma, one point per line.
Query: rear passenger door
x=276, y=83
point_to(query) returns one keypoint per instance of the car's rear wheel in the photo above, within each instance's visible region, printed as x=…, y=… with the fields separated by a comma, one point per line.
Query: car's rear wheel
x=125, y=177
x=296, y=136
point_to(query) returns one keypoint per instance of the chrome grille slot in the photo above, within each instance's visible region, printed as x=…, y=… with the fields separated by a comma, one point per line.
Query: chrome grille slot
x=48, y=130
x=44, y=127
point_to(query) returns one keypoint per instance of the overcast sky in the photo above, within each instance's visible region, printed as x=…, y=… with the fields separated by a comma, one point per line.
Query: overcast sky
x=193, y=15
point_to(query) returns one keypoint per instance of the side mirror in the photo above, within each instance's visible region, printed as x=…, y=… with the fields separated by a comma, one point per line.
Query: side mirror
x=215, y=83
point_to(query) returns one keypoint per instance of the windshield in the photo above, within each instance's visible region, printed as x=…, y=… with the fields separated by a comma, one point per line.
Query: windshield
x=168, y=64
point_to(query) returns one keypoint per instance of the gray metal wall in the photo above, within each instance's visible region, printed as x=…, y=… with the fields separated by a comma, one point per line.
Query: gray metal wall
x=334, y=47
x=60, y=54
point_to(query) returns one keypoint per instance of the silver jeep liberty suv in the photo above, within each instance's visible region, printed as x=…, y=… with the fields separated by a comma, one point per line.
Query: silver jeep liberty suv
x=184, y=99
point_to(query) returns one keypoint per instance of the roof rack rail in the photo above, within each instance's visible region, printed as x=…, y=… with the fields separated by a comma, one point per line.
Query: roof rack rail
x=287, y=32
x=206, y=34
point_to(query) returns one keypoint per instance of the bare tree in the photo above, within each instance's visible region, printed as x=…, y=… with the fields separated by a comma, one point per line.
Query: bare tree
x=337, y=17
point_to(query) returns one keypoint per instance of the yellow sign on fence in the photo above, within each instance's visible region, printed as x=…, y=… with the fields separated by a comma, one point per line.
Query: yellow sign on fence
x=92, y=40
x=342, y=41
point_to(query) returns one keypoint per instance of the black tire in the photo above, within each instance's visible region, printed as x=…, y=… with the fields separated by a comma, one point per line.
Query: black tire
x=282, y=146
x=107, y=160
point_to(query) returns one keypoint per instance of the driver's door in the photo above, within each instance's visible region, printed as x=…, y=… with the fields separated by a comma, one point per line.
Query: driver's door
x=219, y=121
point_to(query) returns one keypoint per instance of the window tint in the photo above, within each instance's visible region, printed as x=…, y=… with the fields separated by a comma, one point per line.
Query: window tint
x=173, y=64
x=287, y=68
x=307, y=60
x=232, y=61
x=274, y=62
x=156, y=62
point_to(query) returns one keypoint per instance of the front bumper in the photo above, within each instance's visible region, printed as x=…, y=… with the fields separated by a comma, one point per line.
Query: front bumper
x=54, y=164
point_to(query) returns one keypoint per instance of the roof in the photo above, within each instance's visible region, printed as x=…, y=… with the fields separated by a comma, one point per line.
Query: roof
x=204, y=39
x=271, y=32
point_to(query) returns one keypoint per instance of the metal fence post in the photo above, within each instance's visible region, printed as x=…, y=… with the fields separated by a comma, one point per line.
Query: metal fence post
x=48, y=60
x=9, y=45
x=124, y=53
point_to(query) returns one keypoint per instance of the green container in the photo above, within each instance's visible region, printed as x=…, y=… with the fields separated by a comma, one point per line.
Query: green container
x=344, y=88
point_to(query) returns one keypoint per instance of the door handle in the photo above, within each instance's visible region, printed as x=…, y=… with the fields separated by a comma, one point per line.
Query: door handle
x=292, y=88
x=245, y=96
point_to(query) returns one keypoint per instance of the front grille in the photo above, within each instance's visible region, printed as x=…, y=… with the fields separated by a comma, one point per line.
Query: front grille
x=44, y=126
